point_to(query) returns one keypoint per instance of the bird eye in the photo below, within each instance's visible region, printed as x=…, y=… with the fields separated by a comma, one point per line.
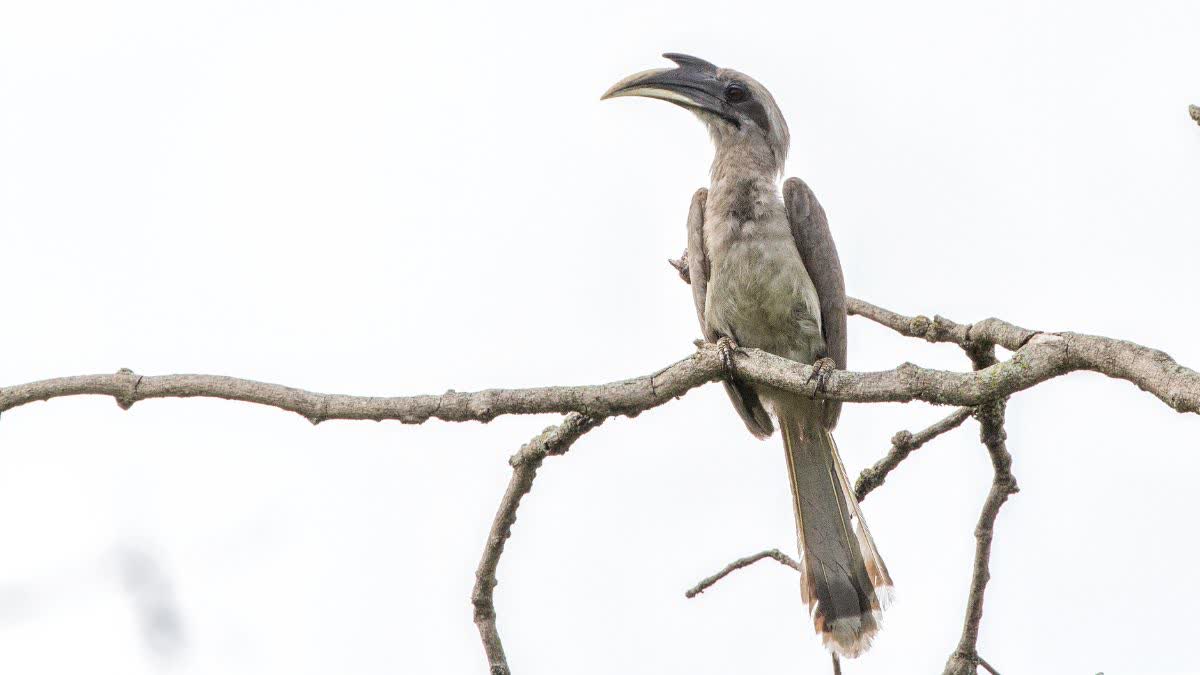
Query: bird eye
x=735, y=93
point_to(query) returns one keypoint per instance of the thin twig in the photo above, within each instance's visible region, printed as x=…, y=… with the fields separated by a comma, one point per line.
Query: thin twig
x=941, y=329
x=986, y=666
x=837, y=664
x=965, y=658
x=903, y=443
x=738, y=564
x=553, y=441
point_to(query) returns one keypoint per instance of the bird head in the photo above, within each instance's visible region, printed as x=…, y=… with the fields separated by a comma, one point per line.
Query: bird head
x=741, y=115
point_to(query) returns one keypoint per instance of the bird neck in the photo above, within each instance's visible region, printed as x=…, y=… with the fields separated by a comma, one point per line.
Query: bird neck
x=743, y=185
x=734, y=162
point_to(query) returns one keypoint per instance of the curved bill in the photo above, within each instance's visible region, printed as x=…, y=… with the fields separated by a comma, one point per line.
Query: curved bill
x=694, y=85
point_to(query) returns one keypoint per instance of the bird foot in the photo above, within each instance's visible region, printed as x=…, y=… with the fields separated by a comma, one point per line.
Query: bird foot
x=726, y=347
x=822, y=368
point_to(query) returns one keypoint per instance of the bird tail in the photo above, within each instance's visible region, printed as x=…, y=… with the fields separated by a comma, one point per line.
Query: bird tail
x=843, y=580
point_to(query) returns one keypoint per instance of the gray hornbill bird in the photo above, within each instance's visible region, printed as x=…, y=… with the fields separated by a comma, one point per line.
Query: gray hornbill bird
x=765, y=273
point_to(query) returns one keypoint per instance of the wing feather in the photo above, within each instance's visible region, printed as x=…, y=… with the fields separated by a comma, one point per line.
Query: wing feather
x=810, y=229
x=698, y=267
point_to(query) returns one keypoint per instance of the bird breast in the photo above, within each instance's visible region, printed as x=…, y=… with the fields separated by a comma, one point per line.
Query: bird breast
x=759, y=292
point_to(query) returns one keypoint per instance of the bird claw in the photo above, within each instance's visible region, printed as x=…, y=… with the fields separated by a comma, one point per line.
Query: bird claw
x=822, y=369
x=681, y=266
x=726, y=348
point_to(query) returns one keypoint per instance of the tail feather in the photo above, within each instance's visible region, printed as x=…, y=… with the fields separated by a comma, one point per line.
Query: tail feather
x=877, y=572
x=843, y=580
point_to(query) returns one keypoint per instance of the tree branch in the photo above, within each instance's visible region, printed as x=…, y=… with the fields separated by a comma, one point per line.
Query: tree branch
x=965, y=658
x=552, y=441
x=1037, y=358
x=1151, y=370
x=627, y=397
x=941, y=329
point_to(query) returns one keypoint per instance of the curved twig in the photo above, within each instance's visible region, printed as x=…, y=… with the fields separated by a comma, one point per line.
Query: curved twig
x=986, y=666
x=774, y=554
x=903, y=443
x=552, y=441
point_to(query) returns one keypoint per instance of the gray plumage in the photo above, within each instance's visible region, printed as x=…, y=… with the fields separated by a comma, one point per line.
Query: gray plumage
x=765, y=274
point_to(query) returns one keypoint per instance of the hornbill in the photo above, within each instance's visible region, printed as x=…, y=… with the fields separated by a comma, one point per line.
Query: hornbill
x=765, y=273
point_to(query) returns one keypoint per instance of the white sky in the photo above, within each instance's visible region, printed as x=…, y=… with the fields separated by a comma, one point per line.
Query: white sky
x=378, y=199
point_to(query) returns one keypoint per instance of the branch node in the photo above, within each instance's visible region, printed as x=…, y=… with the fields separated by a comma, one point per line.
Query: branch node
x=941, y=330
x=322, y=414
x=961, y=663
x=126, y=400
x=910, y=375
x=918, y=326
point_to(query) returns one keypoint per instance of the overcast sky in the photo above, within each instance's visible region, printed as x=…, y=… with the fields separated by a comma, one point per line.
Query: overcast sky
x=381, y=198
